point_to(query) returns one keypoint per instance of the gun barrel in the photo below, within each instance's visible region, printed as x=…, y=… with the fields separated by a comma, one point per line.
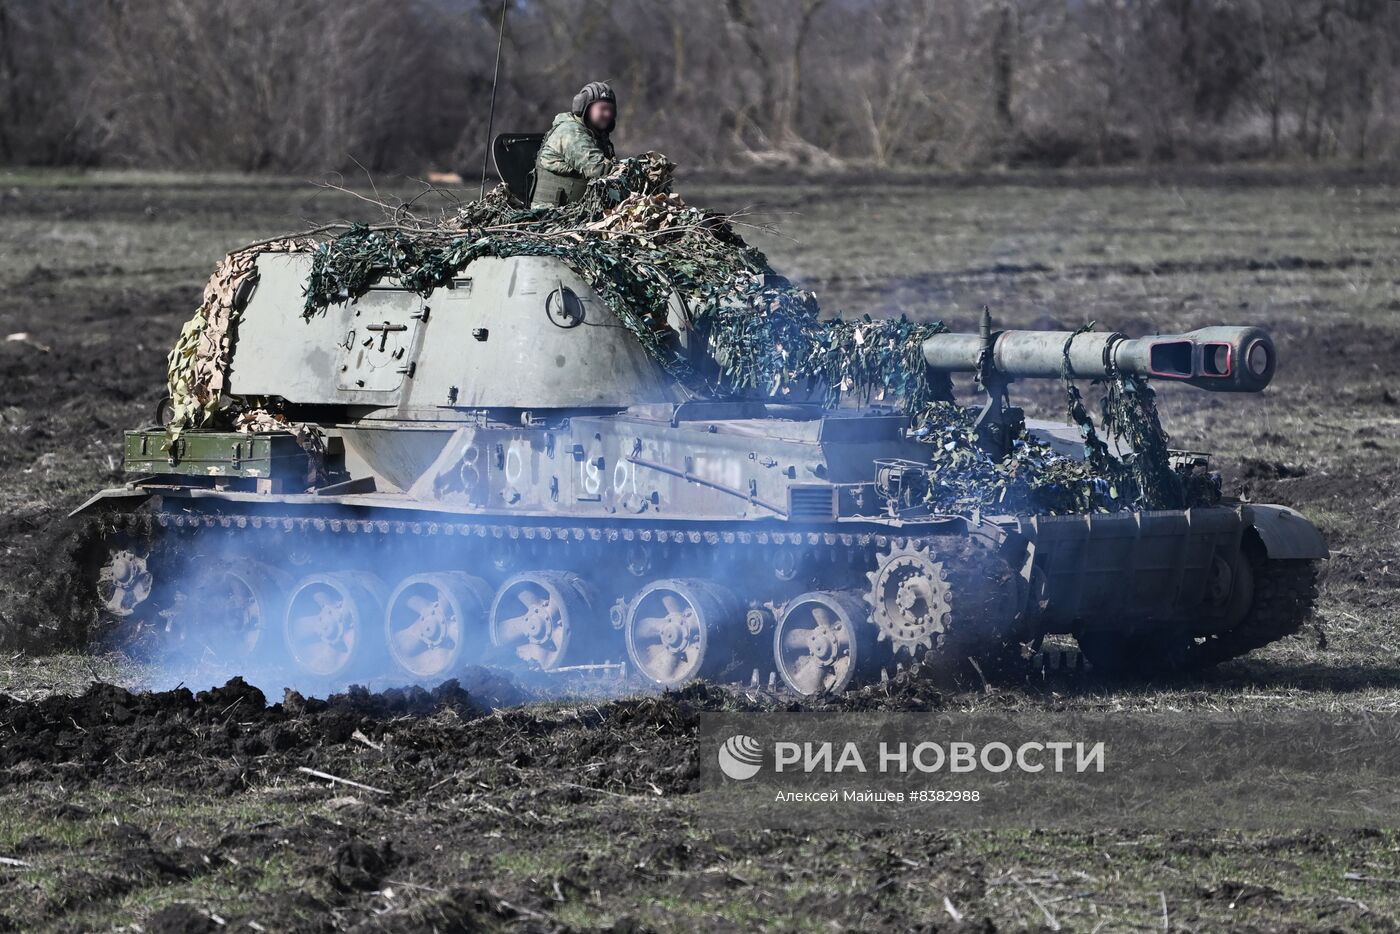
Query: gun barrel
x=1220, y=359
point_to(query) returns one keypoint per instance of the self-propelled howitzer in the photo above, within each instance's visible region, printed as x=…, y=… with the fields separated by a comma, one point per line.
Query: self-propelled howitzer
x=500, y=472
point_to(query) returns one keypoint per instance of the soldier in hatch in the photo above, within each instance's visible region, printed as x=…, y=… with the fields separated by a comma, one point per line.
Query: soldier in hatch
x=577, y=148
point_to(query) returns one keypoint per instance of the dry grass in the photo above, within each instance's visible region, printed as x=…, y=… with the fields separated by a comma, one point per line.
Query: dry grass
x=106, y=269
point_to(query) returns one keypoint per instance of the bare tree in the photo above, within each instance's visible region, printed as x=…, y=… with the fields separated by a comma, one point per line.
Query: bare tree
x=303, y=85
x=775, y=37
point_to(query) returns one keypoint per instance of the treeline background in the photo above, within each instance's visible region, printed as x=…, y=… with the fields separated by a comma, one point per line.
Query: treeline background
x=310, y=85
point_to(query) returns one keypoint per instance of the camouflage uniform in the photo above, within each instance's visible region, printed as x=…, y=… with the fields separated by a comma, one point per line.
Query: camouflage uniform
x=573, y=153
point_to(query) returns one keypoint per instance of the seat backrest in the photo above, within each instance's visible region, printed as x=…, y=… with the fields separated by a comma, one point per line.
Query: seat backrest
x=514, y=154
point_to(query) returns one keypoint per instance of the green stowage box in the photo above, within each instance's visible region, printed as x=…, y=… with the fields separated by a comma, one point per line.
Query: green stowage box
x=265, y=455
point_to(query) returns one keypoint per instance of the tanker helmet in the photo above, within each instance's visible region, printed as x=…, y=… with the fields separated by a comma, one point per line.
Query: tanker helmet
x=591, y=93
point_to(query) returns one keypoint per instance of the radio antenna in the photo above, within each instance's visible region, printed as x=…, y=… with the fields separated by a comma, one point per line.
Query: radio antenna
x=495, y=78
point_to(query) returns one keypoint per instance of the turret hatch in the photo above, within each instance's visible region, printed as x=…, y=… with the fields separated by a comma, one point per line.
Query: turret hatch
x=376, y=351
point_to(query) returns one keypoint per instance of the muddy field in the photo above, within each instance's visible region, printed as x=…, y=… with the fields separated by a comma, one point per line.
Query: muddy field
x=187, y=811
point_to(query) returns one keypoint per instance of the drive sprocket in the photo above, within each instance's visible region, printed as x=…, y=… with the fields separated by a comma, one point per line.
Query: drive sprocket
x=911, y=598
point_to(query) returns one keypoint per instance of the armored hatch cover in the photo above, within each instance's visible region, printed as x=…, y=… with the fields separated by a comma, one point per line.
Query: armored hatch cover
x=514, y=155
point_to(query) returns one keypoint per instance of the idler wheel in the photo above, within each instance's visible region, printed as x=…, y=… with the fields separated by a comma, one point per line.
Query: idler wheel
x=678, y=630
x=543, y=616
x=333, y=622
x=435, y=623
x=229, y=607
x=124, y=583
x=823, y=641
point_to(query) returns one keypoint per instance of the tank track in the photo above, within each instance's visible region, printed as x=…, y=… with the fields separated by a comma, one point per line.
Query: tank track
x=985, y=629
x=1284, y=595
x=514, y=530
x=769, y=569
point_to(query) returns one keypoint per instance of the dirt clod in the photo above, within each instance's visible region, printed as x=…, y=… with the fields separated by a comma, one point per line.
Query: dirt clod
x=182, y=919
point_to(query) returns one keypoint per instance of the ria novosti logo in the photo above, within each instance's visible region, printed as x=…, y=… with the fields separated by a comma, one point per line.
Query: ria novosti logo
x=740, y=757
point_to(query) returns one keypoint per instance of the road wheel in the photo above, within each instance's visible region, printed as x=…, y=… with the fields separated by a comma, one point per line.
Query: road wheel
x=679, y=630
x=545, y=617
x=334, y=623
x=436, y=623
x=824, y=642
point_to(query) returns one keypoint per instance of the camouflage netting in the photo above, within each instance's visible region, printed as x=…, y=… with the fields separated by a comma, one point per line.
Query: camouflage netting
x=637, y=242
x=198, y=363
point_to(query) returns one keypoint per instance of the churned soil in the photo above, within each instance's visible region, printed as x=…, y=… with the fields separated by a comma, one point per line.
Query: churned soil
x=487, y=805
x=428, y=776
x=181, y=811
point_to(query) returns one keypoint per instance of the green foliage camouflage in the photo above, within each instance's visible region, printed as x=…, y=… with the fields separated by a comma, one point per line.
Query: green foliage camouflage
x=1144, y=477
x=1035, y=479
x=637, y=244
x=640, y=246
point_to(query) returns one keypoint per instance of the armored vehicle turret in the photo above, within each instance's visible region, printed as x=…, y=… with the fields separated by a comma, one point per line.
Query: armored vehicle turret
x=500, y=468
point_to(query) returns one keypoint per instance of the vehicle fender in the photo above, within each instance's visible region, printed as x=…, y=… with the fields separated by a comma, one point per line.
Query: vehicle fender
x=121, y=497
x=1286, y=533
